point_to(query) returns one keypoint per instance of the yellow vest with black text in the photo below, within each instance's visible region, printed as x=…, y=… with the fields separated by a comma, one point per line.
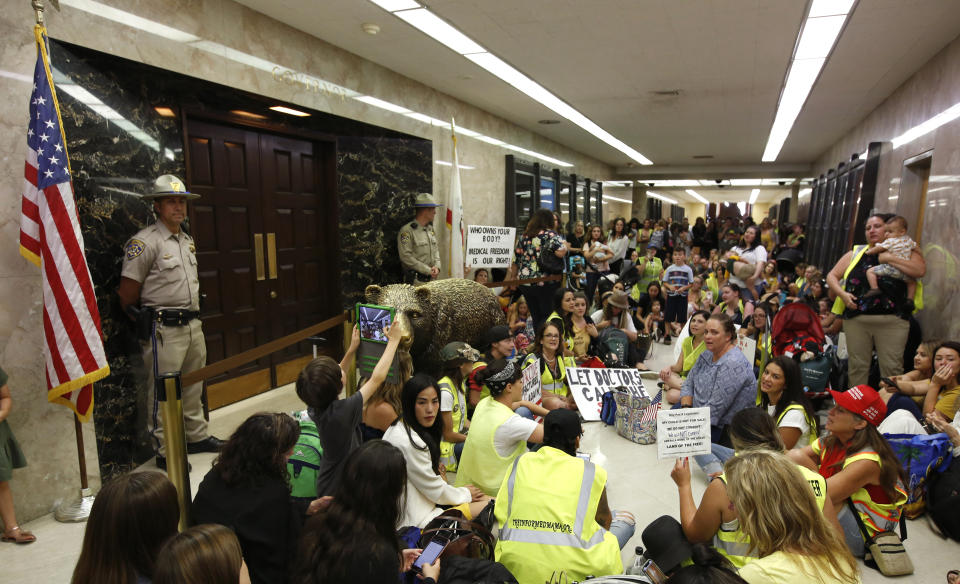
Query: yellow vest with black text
x=735, y=545
x=447, y=456
x=547, y=383
x=547, y=509
x=480, y=463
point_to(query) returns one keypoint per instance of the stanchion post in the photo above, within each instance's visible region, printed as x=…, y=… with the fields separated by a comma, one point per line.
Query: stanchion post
x=169, y=394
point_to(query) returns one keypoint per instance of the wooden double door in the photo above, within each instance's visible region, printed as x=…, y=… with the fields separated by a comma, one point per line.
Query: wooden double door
x=265, y=227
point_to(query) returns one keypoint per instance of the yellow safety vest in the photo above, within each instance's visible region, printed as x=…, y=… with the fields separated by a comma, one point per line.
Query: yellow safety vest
x=547, y=509
x=858, y=251
x=447, y=455
x=876, y=517
x=735, y=545
x=480, y=463
x=812, y=437
x=547, y=382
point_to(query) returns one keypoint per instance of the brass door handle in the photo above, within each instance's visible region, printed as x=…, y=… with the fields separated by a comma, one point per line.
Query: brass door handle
x=258, y=254
x=273, y=294
x=272, y=255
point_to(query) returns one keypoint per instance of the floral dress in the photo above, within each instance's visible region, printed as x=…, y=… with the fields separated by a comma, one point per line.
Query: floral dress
x=527, y=253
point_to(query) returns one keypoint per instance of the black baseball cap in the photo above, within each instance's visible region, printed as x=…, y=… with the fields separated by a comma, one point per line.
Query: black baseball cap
x=666, y=545
x=498, y=333
x=561, y=423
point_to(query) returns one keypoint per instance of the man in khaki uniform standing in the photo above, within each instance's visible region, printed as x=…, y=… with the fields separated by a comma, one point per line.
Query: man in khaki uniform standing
x=417, y=244
x=160, y=274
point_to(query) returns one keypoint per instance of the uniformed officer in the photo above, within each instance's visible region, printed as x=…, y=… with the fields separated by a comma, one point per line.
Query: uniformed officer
x=160, y=275
x=417, y=243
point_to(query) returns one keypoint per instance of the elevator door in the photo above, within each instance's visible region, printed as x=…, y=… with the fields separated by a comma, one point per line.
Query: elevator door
x=265, y=229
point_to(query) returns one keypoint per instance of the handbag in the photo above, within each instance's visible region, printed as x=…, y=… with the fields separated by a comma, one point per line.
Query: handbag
x=636, y=417
x=548, y=260
x=885, y=551
x=465, y=538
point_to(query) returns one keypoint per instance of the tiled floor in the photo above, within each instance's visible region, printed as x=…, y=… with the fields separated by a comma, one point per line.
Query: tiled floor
x=638, y=482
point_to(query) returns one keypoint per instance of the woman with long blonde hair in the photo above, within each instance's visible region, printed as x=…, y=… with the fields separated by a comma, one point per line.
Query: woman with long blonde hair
x=778, y=512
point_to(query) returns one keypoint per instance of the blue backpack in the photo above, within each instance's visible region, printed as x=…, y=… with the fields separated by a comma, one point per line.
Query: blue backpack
x=304, y=463
x=608, y=409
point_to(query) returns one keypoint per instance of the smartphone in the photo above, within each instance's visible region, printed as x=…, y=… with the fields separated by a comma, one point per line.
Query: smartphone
x=890, y=382
x=372, y=319
x=653, y=572
x=430, y=553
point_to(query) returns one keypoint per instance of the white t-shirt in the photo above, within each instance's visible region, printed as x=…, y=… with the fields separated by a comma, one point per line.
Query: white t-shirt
x=515, y=429
x=757, y=255
x=446, y=401
x=794, y=419
x=598, y=316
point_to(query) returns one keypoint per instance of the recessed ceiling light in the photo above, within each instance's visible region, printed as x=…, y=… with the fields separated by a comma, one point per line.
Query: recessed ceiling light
x=165, y=112
x=289, y=111
x=246, y=114
x=548, y=122
x=370, y=28
x=697, y=196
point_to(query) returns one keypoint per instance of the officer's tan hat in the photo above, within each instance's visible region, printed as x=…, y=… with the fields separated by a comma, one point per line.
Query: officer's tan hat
x=168, y=186
x=426, y=200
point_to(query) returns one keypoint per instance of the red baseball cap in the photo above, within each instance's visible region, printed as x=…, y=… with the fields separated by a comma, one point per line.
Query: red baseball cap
x=862, y=400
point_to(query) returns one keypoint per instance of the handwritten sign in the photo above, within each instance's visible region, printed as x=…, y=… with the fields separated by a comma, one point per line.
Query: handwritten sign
x=489, y=246
x=588, y=386
x=531, y=383
x=748, y=346
x=683, y=432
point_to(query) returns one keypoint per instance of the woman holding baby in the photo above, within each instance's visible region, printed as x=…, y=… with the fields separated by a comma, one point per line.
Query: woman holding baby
x=875, y=320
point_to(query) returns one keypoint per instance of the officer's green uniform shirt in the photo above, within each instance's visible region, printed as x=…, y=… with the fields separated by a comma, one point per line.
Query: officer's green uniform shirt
x=165, y=264
x=418, y=248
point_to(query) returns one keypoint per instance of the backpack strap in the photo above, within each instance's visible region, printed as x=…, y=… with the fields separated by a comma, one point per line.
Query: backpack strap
x=858, y=251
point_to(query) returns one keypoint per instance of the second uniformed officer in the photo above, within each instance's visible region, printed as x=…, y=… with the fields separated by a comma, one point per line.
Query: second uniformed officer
x=160, y=274
x=417, y=243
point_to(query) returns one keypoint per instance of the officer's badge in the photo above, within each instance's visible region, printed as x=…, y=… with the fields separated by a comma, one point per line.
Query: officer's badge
x=134, y=248
x=177, y=187
x=193, y=249
x=404, y=237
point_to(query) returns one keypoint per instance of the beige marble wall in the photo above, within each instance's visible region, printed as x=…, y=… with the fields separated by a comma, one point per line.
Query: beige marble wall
x=934, y=88
x=46, y=431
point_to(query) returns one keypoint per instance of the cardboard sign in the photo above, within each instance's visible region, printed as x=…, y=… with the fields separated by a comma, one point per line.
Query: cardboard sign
x=531, y=383
x=489, y=247
x=588, y=386
x=748, y=346
x=683, y=432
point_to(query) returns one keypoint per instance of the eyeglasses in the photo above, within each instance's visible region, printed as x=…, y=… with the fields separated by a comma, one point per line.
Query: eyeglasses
x=551, y=336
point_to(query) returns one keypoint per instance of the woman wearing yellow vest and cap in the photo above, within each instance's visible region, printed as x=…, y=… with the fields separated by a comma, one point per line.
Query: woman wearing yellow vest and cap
x=716, y=519
x=793, y=543
x=553, y=369
x=859, y=465
x=553, y=513
x=458, y=359
x=497, y=434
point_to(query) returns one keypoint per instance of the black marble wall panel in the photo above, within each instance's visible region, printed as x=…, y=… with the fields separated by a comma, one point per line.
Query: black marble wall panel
x=118, y=144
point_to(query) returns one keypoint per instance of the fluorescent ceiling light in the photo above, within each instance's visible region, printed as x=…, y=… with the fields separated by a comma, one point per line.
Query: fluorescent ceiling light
x=825, y=20
x=609, y=198
x=708, y=183
x=753, y=195
x=440, y=30
x=775, y=182
x=804, y=193
x=677, y=183
x=829, y=7
x=745, y=182
x=697, y=196
x=946, y=116
x=382, y=104
x=818, y=36
x=795, y=91
x=742, y=205
x=394, y=5
x=661, y=197
x=289, y=111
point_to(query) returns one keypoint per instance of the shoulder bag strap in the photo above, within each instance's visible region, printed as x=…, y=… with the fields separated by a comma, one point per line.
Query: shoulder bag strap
x=856, y=515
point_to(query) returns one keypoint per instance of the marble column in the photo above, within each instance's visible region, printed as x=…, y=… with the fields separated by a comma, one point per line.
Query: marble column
x=639, y=201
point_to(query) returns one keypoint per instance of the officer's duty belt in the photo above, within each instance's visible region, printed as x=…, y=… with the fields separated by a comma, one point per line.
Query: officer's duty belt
x=175, y=316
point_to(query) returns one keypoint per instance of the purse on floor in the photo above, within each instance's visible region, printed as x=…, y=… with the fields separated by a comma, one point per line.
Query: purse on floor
x=885, y=551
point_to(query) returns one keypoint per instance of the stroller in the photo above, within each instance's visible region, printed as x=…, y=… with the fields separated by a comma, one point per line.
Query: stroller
x=576, y=273
x=796, y=333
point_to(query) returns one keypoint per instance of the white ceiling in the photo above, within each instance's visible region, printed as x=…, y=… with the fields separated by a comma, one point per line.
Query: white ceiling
x=728, y=58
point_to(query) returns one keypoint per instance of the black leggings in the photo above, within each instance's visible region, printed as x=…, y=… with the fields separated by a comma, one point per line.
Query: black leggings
x=539, y=301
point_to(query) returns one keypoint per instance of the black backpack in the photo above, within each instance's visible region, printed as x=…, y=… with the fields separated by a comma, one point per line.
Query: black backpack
x=943, y=500
x=549, y=262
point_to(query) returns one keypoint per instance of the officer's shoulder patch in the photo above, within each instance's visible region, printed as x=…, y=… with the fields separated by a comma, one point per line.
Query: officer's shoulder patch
x=404, y=237
x=134, y=248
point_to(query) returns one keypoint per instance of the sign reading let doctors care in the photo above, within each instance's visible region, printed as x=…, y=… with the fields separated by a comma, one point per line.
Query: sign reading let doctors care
x=588, y=386
x=489, y=246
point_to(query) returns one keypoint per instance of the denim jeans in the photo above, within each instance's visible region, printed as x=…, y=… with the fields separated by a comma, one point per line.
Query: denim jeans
x=622, y=529
x=713, y=463
x=524, y=412
x=851, y=531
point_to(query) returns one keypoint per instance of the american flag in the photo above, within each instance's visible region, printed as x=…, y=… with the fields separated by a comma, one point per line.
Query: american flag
x=50, y=237
x=650, y=412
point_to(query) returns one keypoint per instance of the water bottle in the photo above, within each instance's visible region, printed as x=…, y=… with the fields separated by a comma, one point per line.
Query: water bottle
x=636, y=569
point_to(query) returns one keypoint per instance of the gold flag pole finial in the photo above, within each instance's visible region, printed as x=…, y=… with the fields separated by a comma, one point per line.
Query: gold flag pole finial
x=38, y=9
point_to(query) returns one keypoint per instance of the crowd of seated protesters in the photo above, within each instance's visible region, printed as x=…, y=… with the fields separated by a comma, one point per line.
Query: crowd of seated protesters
x=781, y=499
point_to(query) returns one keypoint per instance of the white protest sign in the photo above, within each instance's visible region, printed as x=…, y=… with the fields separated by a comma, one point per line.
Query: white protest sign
x=748, y=346
x=588, y=386
x=531, y=383
x=683, y=432
x=489, y=246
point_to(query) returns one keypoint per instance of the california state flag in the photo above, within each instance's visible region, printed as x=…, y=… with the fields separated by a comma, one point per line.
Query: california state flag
x=455, y=214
